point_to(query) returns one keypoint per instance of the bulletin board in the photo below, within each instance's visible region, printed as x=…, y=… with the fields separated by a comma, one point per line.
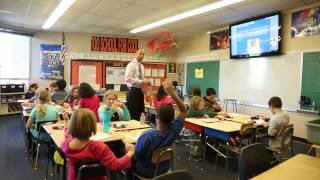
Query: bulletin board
x=155, y=73
x=115, y=75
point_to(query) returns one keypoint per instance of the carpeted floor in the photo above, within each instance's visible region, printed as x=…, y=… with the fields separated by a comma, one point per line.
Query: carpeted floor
x=14, y=166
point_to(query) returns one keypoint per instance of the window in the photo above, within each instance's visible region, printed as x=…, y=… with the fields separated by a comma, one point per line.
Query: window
x=14, y=56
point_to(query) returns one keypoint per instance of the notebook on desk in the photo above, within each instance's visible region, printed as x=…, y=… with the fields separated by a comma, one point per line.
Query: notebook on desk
x=209, y=120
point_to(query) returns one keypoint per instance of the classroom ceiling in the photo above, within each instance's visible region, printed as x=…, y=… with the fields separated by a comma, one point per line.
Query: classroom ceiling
x=118, y=17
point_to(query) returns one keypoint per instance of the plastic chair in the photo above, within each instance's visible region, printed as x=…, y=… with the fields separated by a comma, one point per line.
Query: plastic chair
x=253, y=160
x=38, y=141
x=174, y=175
x=158, y=156
x=90, y=170
x=286, y=134
x=245, y=132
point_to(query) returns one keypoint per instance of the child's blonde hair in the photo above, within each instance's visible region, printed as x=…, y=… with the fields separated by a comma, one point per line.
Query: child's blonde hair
x=43, y=98
x=195, y=102
x=110, y=92
x=83, y=124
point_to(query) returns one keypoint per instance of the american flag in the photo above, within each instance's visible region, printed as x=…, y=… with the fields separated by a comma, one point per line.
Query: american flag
x=63, y=49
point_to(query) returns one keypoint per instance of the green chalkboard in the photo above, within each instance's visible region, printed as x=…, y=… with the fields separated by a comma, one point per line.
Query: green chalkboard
x=311, y=79
x=210, y=76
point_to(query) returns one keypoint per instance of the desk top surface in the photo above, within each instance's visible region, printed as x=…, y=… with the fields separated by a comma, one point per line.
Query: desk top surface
x=130, y=134
x=298, y=167
x=227, y=125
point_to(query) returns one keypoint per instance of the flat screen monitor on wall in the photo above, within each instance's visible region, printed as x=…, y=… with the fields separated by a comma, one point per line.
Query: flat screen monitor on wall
x=256, y=37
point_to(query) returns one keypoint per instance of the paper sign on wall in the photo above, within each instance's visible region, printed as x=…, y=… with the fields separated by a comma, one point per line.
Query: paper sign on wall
x=198, y=73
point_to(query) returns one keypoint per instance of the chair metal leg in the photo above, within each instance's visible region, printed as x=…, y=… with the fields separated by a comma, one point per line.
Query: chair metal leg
x=37, y=156
x=291, y=148
x=226, y=168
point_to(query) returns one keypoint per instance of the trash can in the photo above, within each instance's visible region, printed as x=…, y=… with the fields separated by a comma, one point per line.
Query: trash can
x=313, y=131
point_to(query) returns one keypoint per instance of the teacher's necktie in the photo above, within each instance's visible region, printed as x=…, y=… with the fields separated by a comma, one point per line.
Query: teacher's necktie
x=140, y=72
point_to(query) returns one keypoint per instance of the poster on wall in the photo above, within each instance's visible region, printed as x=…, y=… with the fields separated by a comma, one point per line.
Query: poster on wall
x=172, y=67
x=115, y=75
x=51, y=66
x=198, y=73
x=305, y=22
x=219, y=40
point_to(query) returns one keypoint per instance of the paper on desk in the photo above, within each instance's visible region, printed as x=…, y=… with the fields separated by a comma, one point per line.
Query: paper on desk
x=209, y=120
x=133, y=137
x=100, y=136
x=116, y=87
x=260, y=121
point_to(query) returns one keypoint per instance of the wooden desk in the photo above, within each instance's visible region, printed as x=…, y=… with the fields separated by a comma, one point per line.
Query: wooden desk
x=129, y=134
x=299, y=167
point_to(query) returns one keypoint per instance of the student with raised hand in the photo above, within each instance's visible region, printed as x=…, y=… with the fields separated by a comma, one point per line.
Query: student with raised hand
x=167, y=130
x=43, y=111
x=111, y=107
x=77, y=145
x=277, y=123
x=88, y=98
x=209, y=100
x=197, y=109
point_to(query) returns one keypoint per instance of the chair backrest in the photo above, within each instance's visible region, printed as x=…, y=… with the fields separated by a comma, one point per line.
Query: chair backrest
x=90, y=170
x=246, y=129
x=253, y=160
x=287, y=133
x=174, y=175
x=39, y=124
x=163, y=154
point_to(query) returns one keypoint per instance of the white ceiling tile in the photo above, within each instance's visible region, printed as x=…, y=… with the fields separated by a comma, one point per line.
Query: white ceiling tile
x=87, y=18
x=108, y=7
x=15, y=6
x=77, y=27
x=111, y=22
x=95, y=29
x=133, y=12
x=70, y=16
x=84, y=5
x=153, y=4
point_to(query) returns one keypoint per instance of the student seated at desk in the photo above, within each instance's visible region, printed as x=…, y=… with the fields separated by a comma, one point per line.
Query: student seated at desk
x=88, y=98
x=73, y=99
x=167, y=130
x=60, y=94
x=277, y=123
x=31, y=91
x=197, y=109
x=209, y=100
x=42, y=112
x=196, y=91
x=112, y=110
x=162, y=98
x=77, y=145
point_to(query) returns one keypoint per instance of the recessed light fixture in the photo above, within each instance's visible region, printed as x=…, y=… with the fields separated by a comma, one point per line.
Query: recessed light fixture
x=193, y=12
x=8, y=12
x=57, y=13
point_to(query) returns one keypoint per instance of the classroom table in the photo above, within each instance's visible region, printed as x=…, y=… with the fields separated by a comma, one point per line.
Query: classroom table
x=129, y=134
x=298, y=167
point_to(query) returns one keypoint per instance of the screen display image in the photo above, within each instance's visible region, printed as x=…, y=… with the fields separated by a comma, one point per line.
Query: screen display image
x=255, y=38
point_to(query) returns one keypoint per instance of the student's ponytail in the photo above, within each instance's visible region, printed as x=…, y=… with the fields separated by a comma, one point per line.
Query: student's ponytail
x=43, y=98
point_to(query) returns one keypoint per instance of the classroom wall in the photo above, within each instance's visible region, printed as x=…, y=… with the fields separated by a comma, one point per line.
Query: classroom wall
x=77, y=42
x=199, y=45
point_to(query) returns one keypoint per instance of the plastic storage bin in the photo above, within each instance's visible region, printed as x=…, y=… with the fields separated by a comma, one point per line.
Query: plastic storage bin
x=313, y=131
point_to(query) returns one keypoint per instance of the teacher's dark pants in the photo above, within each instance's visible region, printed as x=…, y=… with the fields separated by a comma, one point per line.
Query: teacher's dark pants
x=135, y=102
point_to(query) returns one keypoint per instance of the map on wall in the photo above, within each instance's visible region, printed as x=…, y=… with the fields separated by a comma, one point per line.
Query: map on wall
x=51, y=66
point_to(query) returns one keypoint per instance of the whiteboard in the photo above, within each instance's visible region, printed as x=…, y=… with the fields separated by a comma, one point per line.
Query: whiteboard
x=87, y=73
x=115, y=75
x=253, y=81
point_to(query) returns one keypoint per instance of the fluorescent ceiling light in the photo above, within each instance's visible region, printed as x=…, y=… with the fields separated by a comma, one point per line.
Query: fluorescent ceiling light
x=57, y=13
x=8, y=12
x=197, y=11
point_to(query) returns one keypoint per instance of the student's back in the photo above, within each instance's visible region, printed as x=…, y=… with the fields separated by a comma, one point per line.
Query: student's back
x=167, y=130
x=277, y=126
x=60, y=94
x=78, y=148
x=88, y=99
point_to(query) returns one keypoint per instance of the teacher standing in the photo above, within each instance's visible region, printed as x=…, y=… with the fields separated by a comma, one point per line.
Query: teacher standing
x=134, y=78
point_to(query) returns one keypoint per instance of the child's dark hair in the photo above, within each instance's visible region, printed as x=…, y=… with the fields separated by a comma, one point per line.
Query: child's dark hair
x=165, y=114
x=211, y=91
x=275, y=102
x=61, y=83
x=161, y=93
x=33, y=85
x=85, y=90
x=196, y=91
